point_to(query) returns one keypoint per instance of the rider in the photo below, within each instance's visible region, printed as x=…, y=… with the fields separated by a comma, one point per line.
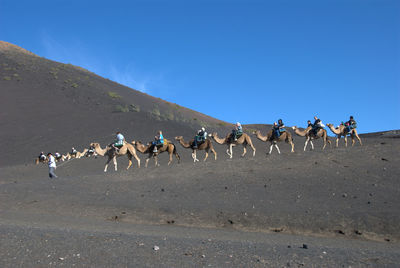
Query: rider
x=73, y=151
x=278, y=128
x=317, y=125
x=42, y=156
x=200, y=137
x=120, y=140
x=237, y=132
x=281, y=126
x=309, y=124
x=351, y=124
x=158, y=140
x=57, y=156
x=90, y=151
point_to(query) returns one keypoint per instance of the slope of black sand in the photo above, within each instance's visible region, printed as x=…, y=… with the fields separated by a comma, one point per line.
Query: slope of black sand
x=249, y=212
x=48, y=106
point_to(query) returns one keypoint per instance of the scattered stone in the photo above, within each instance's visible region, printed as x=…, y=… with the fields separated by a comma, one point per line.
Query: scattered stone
x=162, y=190
x=357, y=232
x=226, y=188
x=305, y=246
x=203, y=256
x=387, y=239
x=230, y=221
x=344, y=195
x=171, y=222
x=384, y=159
x=339, y=232
x=156, y=248
x=61, y=258
x=289, y=246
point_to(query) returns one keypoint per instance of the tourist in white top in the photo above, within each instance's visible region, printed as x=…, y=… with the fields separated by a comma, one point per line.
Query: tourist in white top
x=52, y=166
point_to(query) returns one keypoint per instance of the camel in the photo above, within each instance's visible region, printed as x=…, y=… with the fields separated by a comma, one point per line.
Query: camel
x=206, y=145
x=148, y=149
x=244, y=140
x=310, y=136
x=341, y=130
x=111, y=153
x=78, y=155
x=285, y=136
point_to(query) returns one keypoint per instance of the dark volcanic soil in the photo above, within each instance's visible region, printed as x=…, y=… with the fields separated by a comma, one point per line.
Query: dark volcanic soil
x=241, y=212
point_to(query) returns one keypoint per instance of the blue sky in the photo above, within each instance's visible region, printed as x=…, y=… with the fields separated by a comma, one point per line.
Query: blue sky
x=247, y=61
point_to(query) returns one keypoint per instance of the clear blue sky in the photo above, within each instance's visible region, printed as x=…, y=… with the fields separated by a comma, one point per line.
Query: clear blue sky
x=247, y=61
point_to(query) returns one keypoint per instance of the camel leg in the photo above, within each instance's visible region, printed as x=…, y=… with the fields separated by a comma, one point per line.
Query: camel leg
x=244, y=150
x=292, y=144
x=277, y=148
x=137, y=160
x=215, y=154
x=270, y=148
x=305, y=144
x=230, y=151
x=205, y=158
x=323, y=147
x=156, y=161
x=106, y=165
x=337, y=141
x=129, y=163
x=345, y=140
x=358, y=138
x=170, y=159
x=227, y=151
x=312, y=145
x=147, y=162
x=254, y=149
x=115, y=163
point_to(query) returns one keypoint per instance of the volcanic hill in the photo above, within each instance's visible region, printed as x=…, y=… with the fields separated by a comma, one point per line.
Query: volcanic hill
x=47, y=105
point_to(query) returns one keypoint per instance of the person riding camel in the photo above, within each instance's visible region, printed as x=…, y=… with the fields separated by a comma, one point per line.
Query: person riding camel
x=351, y=124
x=57, y=156
x=309, y=124
x=158, y=141
x=278, y=128
x=237, y=132
x=317, y=125
x=73, y=151
x=200, y=137
x=119, y=142
x=90, y=151
x=42, y=156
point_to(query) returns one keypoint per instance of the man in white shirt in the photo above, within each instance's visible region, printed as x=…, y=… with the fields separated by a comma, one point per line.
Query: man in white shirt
x=52, y=166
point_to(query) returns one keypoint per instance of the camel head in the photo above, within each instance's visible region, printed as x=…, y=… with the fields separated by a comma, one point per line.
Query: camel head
x=212, y=134
x=178, y=138
x=255, y=132
x=294, y=127
x=133, y=142
x=94, y=144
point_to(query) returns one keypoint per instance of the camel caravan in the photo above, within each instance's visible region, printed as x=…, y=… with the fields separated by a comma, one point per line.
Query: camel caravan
x=203, y=142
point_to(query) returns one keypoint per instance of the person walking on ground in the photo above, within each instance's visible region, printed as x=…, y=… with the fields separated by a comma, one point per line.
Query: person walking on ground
x=52, y=166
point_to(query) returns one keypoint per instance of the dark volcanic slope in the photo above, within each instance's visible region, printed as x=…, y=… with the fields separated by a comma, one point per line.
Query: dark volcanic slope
x=46, y=105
